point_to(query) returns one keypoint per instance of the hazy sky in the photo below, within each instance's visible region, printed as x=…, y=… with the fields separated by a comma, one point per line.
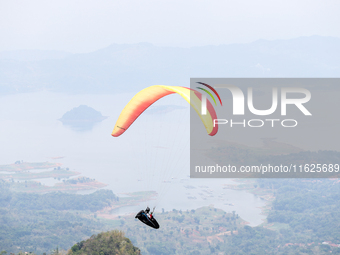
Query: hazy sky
x=87, y=25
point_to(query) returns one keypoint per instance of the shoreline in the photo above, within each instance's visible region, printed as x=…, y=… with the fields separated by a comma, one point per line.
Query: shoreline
x=264, y=194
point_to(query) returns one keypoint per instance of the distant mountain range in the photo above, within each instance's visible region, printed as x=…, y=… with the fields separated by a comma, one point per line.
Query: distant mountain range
x=129, y=67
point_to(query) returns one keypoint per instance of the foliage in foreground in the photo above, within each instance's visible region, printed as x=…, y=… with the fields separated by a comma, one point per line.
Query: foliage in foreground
x=40, y=222
x=106, y=243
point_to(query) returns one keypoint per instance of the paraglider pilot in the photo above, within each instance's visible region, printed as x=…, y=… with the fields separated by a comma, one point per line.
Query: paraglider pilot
x=147, y=210
x=147, y=218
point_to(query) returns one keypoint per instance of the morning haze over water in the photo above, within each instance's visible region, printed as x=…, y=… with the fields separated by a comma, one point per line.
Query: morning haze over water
x=33, y=132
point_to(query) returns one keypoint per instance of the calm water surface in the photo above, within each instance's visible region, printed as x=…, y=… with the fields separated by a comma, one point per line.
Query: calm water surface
x=147, y=157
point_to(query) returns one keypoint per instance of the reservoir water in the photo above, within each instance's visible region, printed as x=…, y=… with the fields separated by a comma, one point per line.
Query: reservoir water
x=147, y=157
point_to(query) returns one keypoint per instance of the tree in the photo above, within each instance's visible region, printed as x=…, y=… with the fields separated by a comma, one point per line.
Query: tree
x=112, y=242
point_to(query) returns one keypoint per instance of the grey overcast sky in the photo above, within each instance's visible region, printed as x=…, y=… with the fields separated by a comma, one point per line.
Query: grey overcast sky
x=86, y=25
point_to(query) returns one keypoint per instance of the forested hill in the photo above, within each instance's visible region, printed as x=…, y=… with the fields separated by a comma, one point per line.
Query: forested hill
x=113, y=242
x=105, y=243
x=56, y=200
x=303, y=218
x=41, y=222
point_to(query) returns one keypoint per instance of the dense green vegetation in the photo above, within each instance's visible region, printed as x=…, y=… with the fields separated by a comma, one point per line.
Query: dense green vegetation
x=183, y=232
x=55, y=200
x=309, y=208
x=39, y=223
x=113, y=242
x=304, y=219
x=105, y=243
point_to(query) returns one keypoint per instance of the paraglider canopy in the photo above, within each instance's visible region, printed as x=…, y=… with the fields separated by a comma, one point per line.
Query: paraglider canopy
x=142, y=101
x=146, y=97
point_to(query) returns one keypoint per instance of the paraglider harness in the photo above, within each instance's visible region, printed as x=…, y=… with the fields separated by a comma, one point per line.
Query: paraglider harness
x=147, y=218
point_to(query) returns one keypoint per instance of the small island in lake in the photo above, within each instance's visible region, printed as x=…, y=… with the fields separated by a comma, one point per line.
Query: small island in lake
x=82, y=117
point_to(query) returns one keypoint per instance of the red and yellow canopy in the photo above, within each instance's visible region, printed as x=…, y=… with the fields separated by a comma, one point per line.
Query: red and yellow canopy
x=146, y=97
